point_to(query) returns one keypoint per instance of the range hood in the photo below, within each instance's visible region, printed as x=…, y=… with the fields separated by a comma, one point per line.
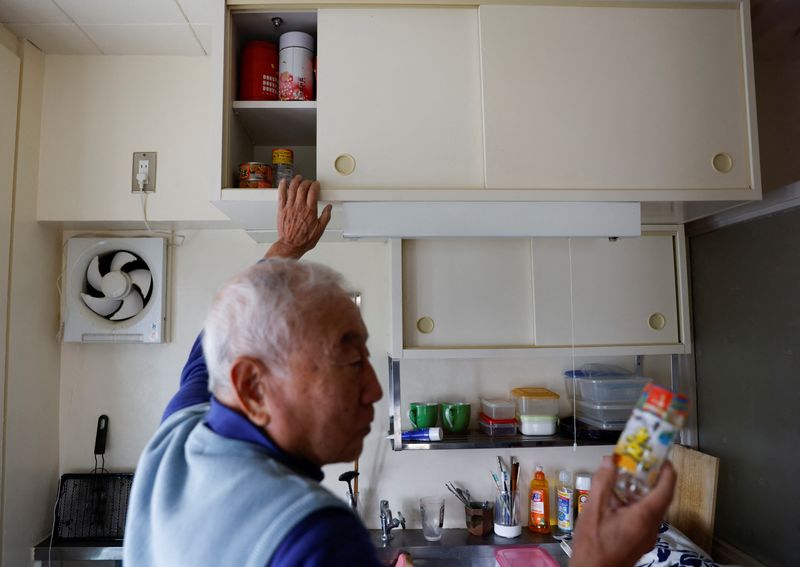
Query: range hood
x=381, y=220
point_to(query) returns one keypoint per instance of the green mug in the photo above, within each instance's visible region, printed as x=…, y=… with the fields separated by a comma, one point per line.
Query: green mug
x=423, y=414
x=455, y=416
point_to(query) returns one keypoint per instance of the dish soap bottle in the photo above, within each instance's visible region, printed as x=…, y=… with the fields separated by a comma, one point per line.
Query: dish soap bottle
x=540, y=503
x=564, y=499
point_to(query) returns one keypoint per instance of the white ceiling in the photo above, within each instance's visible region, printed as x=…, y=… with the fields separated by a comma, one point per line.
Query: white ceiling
x=113, y=27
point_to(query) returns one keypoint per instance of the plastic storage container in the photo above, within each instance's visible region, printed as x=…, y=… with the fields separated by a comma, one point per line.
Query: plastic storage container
x=537, y=424
x=535, y=401
x=615, y=387
x=498, y=409
x=523, y=556
x=497, y=427
x=603, y=412
x=603, y=425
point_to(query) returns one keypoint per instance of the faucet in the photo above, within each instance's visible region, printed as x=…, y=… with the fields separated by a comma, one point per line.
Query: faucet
x=388, y=523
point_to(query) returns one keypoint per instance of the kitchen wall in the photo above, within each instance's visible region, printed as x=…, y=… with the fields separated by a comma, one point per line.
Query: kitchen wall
x=30, y=420
x=132, y=383
x=99, y=110
x=747, y=328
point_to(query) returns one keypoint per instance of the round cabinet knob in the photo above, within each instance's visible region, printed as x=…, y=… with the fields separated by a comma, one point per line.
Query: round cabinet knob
x=657, y=321
x=425, y=325
x=722, y=162
x=345, y=164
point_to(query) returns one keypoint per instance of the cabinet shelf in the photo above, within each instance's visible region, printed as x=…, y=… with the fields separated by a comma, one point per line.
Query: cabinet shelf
x=279, y=122
x=478, y=440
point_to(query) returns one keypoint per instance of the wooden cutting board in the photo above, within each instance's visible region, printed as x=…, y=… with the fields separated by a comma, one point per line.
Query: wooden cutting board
x=693, y=506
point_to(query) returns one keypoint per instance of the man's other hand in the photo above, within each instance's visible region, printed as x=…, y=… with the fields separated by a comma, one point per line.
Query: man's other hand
x=299, y=227
x=610, y=534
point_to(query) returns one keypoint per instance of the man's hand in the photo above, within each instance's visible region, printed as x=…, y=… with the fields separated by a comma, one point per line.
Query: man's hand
x=299, y=228
x=610, y=534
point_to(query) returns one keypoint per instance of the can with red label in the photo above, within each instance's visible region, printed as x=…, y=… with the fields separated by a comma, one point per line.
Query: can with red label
x=296, y=66
x=255, y=175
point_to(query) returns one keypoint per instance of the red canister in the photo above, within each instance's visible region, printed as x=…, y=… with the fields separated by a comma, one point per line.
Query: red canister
x=258, y=73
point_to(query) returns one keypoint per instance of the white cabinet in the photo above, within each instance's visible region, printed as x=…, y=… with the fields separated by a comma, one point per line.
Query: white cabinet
x=622, y=292
x=526, y=297
x=399, y=99
x=601, y=100
x=467, y=293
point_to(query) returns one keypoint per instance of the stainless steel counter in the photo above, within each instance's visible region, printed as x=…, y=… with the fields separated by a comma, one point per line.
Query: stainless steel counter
x=459, y=548
x=456, y=548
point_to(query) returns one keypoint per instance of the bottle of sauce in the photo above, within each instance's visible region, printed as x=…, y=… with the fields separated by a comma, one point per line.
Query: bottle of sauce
x=540, y=503
x=583, y=484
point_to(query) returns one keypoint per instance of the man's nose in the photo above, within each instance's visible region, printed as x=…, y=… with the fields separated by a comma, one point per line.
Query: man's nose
x=373, y=391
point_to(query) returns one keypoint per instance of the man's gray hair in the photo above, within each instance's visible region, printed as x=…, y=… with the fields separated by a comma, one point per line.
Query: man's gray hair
x=258, y=314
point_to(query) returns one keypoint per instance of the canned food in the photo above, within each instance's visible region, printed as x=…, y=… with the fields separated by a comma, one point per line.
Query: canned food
x=254, y=170
x=254, y=184
x=255, y=175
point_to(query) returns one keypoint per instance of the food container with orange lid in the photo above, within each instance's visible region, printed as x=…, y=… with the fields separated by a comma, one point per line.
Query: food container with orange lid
x=535, y=401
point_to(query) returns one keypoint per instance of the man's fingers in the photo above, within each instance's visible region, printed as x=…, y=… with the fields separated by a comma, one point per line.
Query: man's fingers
x=313, y=196
x=302, y=194
x=324, y=218
x=282, y=190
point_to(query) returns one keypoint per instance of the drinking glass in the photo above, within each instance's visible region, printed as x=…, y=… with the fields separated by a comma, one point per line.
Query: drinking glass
x=432, y=514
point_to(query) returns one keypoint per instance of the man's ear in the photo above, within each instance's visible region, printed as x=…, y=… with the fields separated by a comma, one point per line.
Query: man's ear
x=249, y=380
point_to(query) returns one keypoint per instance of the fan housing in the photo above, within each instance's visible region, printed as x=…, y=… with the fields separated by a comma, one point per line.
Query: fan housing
x=115, y=290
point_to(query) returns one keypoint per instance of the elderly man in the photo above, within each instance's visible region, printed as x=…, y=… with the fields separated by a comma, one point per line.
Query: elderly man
x=232, y=479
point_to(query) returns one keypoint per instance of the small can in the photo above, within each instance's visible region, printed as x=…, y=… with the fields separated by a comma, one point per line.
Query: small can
x=283, y=164
x=296, y=66
x=644, y=444
x=255, y=175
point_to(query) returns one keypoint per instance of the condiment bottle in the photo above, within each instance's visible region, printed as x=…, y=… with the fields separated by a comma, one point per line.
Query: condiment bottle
x=540, y=503
x=564, y=502
x=644, y=444
x=583, y=484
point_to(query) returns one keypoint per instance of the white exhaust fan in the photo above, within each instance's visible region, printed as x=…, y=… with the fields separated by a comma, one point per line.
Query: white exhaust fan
x=115, y=290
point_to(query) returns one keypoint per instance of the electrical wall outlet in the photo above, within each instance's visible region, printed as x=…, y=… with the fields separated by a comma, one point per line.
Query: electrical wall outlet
x=143, y=175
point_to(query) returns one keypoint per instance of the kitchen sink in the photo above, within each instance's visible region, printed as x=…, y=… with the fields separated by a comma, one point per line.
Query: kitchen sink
x=458, y=548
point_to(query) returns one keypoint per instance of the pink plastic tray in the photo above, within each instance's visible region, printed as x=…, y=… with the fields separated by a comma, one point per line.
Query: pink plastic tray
x=524, y=556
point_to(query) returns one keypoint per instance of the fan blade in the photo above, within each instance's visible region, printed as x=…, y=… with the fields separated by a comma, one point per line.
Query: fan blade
x=101, y=305
x=131, y=305
x=93, y=273
x=142, y=279
x=120, y=259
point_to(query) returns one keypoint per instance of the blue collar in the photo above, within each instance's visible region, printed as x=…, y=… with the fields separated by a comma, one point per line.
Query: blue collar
x=224, y=421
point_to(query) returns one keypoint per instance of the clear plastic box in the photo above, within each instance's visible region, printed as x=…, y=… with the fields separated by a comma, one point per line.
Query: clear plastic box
x=535, y=401
x=604, y=383
x=497, y=428
x=498, y=409
x=604, y=425
x=603, y=412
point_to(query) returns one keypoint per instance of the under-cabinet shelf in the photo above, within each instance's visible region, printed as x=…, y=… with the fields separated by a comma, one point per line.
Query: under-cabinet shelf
x=278, y=123
x=478, y=440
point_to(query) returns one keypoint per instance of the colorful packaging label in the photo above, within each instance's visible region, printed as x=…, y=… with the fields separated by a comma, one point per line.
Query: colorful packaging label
x=537, y=508
x=296, y=77
x=643, y=445
x=564, y=497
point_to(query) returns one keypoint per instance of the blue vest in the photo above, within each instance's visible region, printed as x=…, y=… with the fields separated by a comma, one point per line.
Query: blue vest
x=202, y=499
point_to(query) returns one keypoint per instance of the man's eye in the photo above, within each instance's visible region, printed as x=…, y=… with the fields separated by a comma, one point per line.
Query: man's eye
x=358, y=363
